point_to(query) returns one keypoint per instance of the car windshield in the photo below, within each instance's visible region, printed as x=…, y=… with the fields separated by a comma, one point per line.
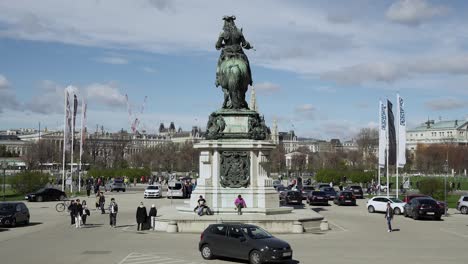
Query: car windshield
x=177, y=186
x=396, y=200
x=152, y=188
x=427, y=201
x=256, y=232
x=6, y=207
x=318, y=193
x=328, y=189
x=41, y=190
x=308, y=188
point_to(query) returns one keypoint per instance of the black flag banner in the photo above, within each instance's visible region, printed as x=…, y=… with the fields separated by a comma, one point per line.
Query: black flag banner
x=391, y=135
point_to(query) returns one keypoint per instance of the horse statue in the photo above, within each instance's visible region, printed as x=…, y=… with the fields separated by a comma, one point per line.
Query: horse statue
x=233, y=71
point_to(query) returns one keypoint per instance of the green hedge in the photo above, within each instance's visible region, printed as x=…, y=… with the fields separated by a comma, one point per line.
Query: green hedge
x=336, y=176
x=28, y=181
x=115, y=173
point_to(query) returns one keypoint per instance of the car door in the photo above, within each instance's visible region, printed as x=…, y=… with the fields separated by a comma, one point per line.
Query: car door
x=19, y=214
x=236, y=243
x=217, y=240
x=383, y=204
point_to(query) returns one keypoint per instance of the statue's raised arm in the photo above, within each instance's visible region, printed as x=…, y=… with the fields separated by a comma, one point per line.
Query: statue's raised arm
x=233, y=70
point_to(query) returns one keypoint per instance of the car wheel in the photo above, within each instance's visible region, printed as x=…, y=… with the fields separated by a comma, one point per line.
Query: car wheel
x=405, y=214
x=415, y=216
x=397, y=211
x=62, y=197
x=371, y=209
x=255, y=257
x=437, y=217
x=39, y=199
x=13, y=222
x=206, y=252
x=123, y=190
x=464, y=210
x=27, y=221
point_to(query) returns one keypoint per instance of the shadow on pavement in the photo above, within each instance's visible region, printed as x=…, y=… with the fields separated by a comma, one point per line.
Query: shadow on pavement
x=125, y=225
x=92, y=225
x=319, y=209
x=30, y=224
x=396, y=230
x=3, y=229
x=246, y=261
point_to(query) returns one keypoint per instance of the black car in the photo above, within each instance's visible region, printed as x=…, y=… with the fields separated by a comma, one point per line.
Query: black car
x=243, y=241
x=423, y=207
x=356, y=190
x=345, y=198
x=330, y=191
x=46, y=194
x=306, y=189
x=291, y=197
x=317, y=197
x=13, y=213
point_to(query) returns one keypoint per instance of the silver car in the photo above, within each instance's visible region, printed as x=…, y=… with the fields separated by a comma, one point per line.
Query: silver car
x=462, y=204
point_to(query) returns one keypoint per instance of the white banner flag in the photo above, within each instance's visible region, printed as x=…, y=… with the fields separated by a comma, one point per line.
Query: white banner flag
x=401, y=119
x=382, y=133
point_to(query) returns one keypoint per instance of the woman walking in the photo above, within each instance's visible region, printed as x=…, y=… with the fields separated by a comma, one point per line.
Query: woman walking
x=78, y=213
x=152, y=214
x=86, y=212
x=102, y=201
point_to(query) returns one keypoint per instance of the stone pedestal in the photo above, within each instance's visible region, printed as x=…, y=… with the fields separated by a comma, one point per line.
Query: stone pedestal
x=259, y=194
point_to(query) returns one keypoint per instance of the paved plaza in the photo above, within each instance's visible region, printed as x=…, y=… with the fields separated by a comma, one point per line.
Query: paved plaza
x=356, y=237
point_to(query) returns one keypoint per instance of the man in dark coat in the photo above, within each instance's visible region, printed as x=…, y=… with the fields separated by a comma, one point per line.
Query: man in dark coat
x=141, y=215
x=152, y=214
x=389, y=216
x=78, y=212
x=72, y=210
x=102, y=201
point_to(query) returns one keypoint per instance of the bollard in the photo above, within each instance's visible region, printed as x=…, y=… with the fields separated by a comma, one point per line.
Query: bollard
x=172, y=227
x=324, y=226
x=297, y=227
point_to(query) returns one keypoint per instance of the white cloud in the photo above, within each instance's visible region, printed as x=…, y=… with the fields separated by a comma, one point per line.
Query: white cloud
x=390, y=72
x=325, y=89
x=413, y=12
x=149, y=70
x=106, y=94
x=112, y=60
x=307, y=111
x=4, y=83
x=7, y=96
x=447, y=103
x=267, y=87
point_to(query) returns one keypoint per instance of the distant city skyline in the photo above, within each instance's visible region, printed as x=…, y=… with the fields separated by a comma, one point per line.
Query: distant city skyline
x=319, y=67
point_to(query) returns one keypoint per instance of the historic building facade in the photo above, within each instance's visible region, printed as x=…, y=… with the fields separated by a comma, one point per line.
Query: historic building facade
x=438, y=132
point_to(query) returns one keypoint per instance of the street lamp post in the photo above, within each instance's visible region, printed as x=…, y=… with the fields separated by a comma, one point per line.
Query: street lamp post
x=4, y=167
x=445, y=186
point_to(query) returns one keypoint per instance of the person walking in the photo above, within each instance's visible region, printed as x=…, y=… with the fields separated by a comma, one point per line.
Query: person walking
x=141, y=216
x=389, y=217
x=152, y=214
x=86, y=212
x=102, y=202
x=113, y=209
x=88, y=188
x=78, y=213
x=72, y=210
x=240, y=203
x=97, y=200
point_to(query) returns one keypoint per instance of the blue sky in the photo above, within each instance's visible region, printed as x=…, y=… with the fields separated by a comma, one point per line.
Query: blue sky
x=319, y=67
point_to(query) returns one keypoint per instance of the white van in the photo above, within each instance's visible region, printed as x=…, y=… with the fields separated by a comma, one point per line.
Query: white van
x=175, y=189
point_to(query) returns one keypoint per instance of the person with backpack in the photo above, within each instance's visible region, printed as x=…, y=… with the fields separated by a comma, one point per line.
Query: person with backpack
x=113, y=209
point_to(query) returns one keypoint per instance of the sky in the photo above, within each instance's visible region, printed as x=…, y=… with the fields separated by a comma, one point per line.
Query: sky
x=319, y=67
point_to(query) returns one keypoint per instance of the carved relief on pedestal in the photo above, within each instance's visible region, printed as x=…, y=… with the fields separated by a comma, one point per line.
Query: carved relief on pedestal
x=235, y=169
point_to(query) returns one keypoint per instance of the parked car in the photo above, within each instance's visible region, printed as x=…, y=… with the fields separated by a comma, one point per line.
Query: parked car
x=356, y=190
x=116, y=185
x=462, y=204
x=153, y=191
x=46, y=194
x=175, y=189
x=13, y=213
x=379, y=204
x=277, y=183
x=345, y=198
x=423, y=207
x=330, y=191
x=243, y=241
x=306, y=190
x=322, y=185
x=317, y=197
x=408, y=198
x=291, y=197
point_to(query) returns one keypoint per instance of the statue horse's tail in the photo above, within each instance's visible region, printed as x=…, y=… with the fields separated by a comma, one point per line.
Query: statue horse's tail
x=234, y=76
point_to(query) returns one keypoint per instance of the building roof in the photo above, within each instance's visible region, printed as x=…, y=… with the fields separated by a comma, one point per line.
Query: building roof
x=440, y=125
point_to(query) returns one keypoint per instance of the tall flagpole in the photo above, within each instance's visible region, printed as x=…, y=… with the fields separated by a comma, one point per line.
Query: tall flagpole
x=72, y=146
x=83, y=110
x=388, y=146
x=64, y=139
x=378, y=162
x=397, y=143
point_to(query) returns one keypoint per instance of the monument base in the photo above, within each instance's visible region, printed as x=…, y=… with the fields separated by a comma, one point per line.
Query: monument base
x=297, y=221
